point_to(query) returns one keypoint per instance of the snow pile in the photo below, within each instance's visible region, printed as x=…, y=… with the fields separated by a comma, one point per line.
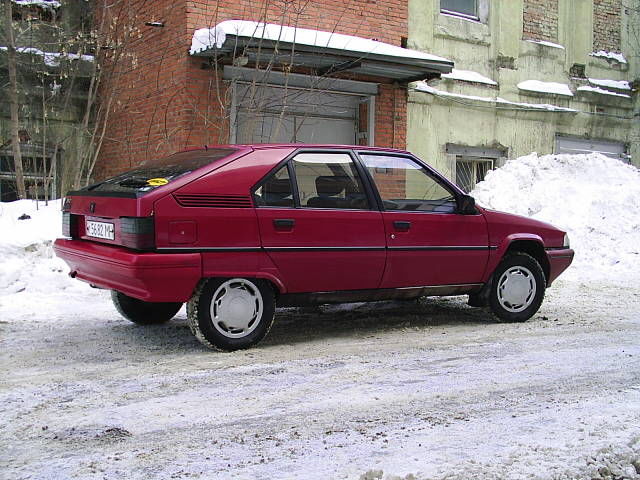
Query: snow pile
x=28, y=261
x=594, y=198
x=205, y=38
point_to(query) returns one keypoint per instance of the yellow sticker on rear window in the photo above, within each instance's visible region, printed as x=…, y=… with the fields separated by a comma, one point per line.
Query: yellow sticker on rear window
x=157, y=182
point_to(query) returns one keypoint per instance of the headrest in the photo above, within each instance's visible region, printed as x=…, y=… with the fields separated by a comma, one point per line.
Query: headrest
x=278, y=187
x=329, y=185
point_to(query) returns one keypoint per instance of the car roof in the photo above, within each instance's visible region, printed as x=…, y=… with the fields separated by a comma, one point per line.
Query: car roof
x=269, y=146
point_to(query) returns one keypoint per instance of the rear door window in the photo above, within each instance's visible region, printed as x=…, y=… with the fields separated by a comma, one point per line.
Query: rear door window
x=329, y=180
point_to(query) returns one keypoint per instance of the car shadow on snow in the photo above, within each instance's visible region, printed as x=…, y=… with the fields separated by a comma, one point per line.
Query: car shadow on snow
x=321, y=323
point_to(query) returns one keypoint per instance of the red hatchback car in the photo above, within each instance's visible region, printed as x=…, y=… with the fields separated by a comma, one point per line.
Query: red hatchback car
x=234, y=230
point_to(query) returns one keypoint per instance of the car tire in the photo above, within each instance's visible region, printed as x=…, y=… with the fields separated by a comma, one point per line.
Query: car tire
x=231, y=313
x=517, y=289
x=144, y=313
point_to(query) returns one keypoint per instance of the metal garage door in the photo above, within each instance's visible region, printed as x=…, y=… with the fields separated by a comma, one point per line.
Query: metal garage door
x=587, y=145
x=268, y=114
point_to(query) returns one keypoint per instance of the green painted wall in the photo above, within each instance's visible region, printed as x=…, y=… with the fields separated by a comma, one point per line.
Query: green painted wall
x=487, y=47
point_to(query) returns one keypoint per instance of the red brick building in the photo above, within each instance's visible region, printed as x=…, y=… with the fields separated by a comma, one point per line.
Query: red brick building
x=253, y=87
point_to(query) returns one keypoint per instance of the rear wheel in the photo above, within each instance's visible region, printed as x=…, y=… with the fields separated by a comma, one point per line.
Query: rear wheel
x=231, y=313
x=144, y=313
x=518, y=288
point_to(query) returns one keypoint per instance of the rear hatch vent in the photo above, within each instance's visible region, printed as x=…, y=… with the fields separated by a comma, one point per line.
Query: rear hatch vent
x=213, y=201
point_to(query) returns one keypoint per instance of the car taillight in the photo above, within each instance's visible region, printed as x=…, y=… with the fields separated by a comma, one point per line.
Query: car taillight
x=66, y=205
x=137, y=232
x=69, y=225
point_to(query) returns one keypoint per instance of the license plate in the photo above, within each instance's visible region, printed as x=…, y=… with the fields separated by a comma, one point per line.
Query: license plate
x=100, y=230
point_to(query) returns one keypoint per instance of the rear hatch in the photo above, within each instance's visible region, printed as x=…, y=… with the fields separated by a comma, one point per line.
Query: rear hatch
x=119, y=210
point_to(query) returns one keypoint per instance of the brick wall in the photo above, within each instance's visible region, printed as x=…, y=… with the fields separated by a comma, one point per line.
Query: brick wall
x=540, y=20
x=607, y=25
x=167, y=101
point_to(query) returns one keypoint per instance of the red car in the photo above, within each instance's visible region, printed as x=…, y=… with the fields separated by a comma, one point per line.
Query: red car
x=236, y=230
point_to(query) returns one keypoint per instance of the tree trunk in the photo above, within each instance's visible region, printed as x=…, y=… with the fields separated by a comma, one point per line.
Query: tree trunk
x=12, y=94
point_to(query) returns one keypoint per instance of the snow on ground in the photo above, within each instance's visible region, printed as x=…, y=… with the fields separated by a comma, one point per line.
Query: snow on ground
x=393, y=390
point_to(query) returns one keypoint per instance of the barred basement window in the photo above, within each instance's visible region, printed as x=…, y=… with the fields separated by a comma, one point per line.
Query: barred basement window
x=462, y=8
x=471, y=170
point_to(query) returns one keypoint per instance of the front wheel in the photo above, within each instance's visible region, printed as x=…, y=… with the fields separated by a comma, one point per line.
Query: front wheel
x=231, y=313
x=144, y=313
x=518, y=288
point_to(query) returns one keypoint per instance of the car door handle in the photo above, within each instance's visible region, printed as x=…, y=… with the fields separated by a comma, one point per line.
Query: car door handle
x=284, y=222
x=402, y=225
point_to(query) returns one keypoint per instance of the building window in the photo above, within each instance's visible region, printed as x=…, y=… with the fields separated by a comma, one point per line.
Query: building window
x=463, y=8
x=471, y=170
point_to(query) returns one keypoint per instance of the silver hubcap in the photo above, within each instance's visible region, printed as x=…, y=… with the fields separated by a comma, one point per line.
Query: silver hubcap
x=236, y=308
x=516, y=289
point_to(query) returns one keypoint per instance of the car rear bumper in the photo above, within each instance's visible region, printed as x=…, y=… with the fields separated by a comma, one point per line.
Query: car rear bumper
x=153, y=277
x=559, y=261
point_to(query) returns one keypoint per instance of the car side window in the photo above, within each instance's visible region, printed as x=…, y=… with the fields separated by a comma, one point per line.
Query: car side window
x=329, y=180
x=276, y=190
x=404, y=184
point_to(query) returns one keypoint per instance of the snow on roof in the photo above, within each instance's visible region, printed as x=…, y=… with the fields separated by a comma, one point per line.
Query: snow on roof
x=206, y=38
x=424, y=87
x=546, y=87
x=618, y=57
x=51, y=4
x=602, y=91
x=52, y=59
x=617, y=84
x=468, y=76
x=546, y=44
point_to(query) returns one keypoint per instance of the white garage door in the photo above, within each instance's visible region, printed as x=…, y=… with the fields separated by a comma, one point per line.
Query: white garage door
x=587, y=145
x=291, y=115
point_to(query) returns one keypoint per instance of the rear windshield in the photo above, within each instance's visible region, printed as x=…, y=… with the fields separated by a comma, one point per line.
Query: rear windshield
x=158, y=172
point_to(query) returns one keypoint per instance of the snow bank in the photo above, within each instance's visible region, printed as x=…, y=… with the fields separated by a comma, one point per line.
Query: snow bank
x=28, y=262
x=205, y=38
x=596, y=199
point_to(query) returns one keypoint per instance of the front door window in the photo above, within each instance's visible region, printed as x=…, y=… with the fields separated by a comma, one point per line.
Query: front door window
x=405, y=185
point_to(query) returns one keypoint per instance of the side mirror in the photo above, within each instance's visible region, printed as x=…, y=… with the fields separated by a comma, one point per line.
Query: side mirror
x=467, y=205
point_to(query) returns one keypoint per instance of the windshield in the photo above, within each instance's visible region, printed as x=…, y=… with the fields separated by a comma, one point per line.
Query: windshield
x=158, y=172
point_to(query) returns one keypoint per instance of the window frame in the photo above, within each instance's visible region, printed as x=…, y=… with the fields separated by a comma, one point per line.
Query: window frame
x=455, y=13
x=369, y=190
x=427, y=169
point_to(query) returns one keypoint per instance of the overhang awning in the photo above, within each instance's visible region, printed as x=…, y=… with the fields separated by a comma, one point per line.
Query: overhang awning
x=325, y=52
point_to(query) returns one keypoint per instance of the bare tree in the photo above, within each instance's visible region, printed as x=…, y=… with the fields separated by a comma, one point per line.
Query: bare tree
x=12, y=94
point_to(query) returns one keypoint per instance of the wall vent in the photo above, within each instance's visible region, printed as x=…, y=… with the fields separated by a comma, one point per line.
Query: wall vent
x=212, y=200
